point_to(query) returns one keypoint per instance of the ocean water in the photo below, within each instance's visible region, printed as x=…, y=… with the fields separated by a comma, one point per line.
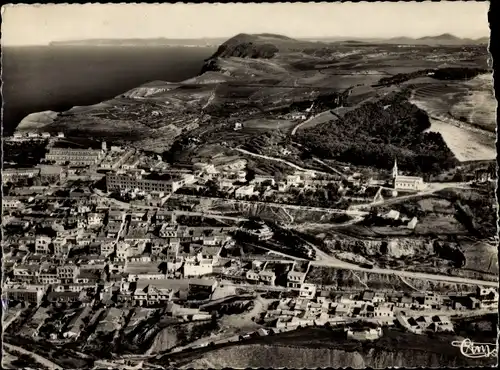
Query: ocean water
x=60, y=77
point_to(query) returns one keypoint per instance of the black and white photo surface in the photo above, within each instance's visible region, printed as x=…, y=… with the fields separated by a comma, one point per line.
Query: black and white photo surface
x=248, y=186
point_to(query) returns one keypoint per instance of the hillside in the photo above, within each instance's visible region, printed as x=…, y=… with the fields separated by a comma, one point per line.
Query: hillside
x=268, y=81
x=319, y=347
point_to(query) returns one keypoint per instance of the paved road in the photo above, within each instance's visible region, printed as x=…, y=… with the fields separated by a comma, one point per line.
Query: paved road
x=36, y=357
x=407, y=274
x=431, y=188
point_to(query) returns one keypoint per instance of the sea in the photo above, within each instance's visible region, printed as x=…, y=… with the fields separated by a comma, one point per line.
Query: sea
x=59, y=77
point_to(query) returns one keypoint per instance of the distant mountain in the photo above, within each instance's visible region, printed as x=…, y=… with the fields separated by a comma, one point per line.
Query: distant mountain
x=142, y=42
x=444, y=39
x=244, y=43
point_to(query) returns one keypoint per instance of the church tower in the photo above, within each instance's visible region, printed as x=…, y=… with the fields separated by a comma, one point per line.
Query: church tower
x=395, y=169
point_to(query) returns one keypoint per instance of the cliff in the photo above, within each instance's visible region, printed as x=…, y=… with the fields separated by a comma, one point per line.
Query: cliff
x=399, y=248
x=310, y=348
x=265, y=356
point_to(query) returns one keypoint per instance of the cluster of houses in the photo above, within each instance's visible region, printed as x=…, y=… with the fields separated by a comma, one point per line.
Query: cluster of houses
x=30, y=135
x=61, y=246
x=313, y=307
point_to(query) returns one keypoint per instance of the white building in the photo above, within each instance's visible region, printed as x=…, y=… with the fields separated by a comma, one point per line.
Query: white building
x=42, y=243
x=307, y=291
x=194, y=266
x=107, y=248
x=412, y=183
x=409, y=183
x=244, y=191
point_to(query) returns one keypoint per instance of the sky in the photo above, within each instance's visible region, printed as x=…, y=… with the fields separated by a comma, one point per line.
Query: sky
x=41, y=24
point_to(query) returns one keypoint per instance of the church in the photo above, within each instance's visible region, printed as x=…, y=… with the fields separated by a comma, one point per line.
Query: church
x=411, y=183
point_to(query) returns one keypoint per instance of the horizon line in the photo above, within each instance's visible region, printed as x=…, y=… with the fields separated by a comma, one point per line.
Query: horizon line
x=229, y=37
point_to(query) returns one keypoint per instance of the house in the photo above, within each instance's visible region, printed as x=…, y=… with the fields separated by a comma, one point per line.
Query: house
x=11, y=202
x=295, y=279
x=26, y=272
x=433, y=300
x=293, y=180
x=48, y=275
x=368, y=296
x=267, y=277
x=61, y=246
x=95, y=219
x=151, y=295
x=244, y=191
x=379, y=297
x=117, y=267
x=405, y=302
x=307, y=291
x=42, y=244
x=392, y=215
x=122, y=250
x=487, y=294
x=196, y=266
x=282, y=186
x=341, y=309
x=412, y=224
x=64, y=297
x=442, y=324
x=252, y=275
x=67, y=273
x=383, y=312
x=262, y=180
x=202, y=286
x=408, y=323
x=107, y=248
x=27, y=293
x=424, y=322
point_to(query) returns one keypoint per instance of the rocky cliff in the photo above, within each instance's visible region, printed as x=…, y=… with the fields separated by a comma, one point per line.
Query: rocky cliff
x=255, y=356
x=399, y=248
x=407, y=351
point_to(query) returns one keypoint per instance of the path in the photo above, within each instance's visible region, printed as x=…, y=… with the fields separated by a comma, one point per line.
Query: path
x=293, y=165
x=407, y=274
x=431, y=188
x=36, y=357
x=326, y=260
x=329, y=167
x=305, y=122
